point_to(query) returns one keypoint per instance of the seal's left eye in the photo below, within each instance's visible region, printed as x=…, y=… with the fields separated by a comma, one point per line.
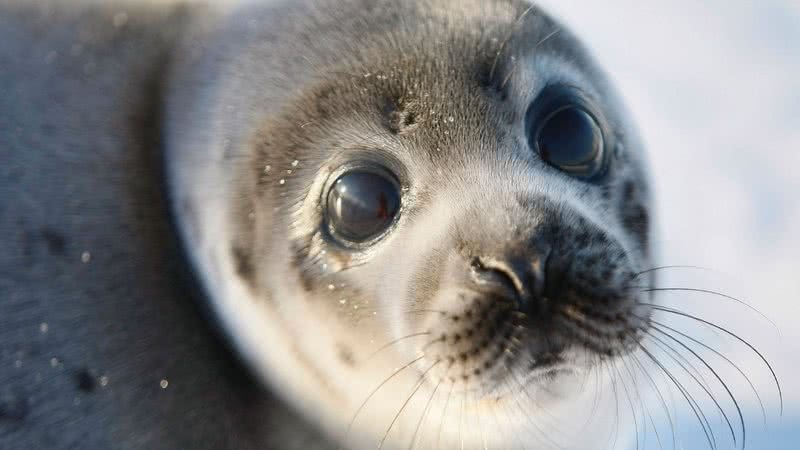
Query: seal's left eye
x=361, y=205
x=571, y=140
x=566, y=134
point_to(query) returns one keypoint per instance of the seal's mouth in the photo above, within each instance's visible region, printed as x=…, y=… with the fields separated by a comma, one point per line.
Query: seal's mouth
x=489, y=344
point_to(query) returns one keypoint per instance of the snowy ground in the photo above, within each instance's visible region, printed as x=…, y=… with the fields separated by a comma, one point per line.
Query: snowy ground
x=715, y=89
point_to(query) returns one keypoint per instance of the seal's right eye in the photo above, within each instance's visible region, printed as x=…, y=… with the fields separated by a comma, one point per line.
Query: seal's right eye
x=362, y=205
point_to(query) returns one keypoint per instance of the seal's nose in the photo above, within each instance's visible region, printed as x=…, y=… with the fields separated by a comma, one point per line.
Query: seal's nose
x=519, y=277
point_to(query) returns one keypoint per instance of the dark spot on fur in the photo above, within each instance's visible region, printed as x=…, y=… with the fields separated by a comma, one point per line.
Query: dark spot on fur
x=244, y=262
x=85, y=381
x=324, y=99
x=13, y=408
x=606, y=192
x=637, y=221
x=400, y=117
x=55, y=241
x=628, y=191
x=346, y=355
x=492, y=82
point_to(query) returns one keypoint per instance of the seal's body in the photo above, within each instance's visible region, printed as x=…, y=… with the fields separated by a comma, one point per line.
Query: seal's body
x=95, y=311
x=418, y=223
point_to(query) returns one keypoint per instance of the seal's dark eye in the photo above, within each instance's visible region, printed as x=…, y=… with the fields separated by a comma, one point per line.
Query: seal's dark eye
x=566, y=135
x=362, y=205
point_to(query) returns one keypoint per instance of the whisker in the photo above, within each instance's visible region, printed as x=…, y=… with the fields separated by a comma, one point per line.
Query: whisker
x=444, y=413
x=461, y=420
x=630, y=404
x=535, y=404
x=480, y=424
x=522, y=387
x=660, y=396
x=735, y=366
x=718, y=294
x=398, y=340
x=659, y=268
x=615, y=434
x=704, y=385
x=419, y=384
x=375, y=391
x=645, y=411
x=716, y=375
x=416, y=311
x=733, y=335
x=701, y=418
x=526, y=415
x=424, y=415
x=503, y=44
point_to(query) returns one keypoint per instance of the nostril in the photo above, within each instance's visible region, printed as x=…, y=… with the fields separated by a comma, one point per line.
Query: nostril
x=503, y=277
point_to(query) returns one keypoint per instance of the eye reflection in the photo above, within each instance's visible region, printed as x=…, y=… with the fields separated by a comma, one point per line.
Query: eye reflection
x=361, y=205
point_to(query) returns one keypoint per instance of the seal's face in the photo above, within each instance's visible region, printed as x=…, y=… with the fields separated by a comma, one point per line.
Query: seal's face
x=465, y=211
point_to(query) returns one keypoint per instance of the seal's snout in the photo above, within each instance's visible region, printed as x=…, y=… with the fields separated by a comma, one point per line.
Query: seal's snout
x=533, y=299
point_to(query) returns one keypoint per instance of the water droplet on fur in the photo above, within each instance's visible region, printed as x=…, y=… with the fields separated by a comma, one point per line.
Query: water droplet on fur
x=18, y=363
x=164, y=383
x=295, y=163
x=267, y=168
x=282, y=181
x=54, y=362
x=342, y=301
x=331, y=287
x=86, y=257
x=43, y=327
x=451, y=119
x=104, y=381
x=288, y=171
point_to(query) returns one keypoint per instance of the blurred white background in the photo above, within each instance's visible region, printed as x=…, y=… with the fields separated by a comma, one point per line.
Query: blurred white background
x=715, y=89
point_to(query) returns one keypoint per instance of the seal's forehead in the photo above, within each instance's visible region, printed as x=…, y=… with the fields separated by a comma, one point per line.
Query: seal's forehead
x=352, y=33
x=449, y=77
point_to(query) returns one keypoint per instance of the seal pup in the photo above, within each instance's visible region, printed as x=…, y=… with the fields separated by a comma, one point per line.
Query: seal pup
x=418, y=224
x=425, y=217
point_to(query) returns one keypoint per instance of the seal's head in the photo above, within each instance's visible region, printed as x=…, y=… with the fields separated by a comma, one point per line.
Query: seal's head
x=435, y=213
